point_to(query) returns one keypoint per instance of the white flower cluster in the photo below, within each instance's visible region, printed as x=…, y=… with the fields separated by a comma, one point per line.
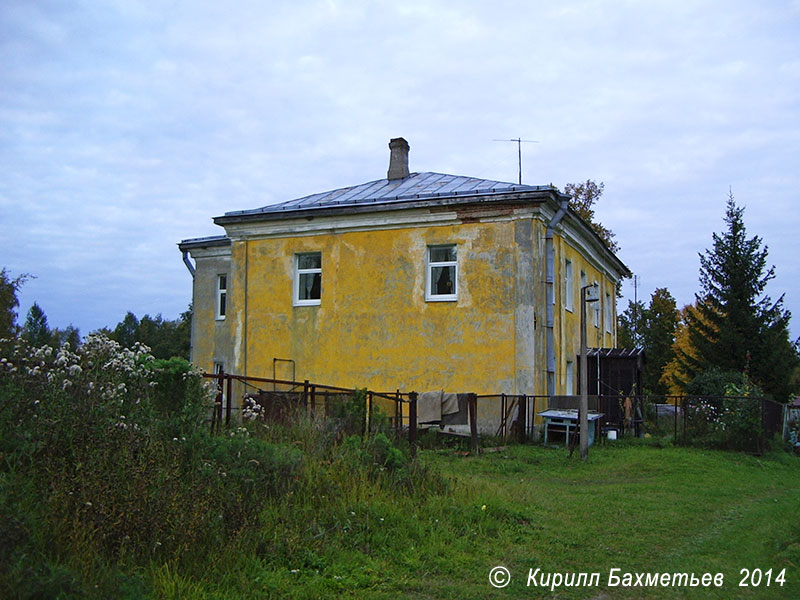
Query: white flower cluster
x=100, y=375
x=98, y=368
x=252, y=410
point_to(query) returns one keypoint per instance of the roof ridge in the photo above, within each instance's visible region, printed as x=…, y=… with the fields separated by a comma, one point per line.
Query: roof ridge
x=424, y=184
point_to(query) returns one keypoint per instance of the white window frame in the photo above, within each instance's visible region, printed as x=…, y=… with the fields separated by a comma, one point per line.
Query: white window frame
x=221, y=297
x=569, y=286
x=608, y=313
x=296, y=284
x=430, y=265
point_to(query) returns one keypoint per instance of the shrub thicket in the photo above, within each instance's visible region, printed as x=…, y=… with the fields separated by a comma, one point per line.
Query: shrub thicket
x=106, y=456
x=724, y=411
x=110, y=476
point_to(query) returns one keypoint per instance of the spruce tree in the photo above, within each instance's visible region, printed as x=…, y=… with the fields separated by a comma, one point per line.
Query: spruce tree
x=36, y=331
x=737, y=327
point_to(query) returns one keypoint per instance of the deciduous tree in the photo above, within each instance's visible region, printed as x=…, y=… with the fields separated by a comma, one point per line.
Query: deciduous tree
x=583, y=197
x=9, y=302
x=661, y=321
x=652, y=328
x=166, y=338
x=631, y=324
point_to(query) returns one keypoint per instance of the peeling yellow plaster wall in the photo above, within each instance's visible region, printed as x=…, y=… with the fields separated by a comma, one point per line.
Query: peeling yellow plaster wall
x=373, y=327
x=568, y=322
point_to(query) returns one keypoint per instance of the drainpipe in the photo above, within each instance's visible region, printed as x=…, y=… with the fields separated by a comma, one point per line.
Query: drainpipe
x=192, y=270
x=188, y=263
x=550, y=295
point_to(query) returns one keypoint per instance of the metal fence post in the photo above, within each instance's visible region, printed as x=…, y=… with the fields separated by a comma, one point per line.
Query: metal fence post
x=369, y=414
x=685, y=411
x=522, y=418
x=504, y=416
x=398, y=414
x=473, y=422
x=675, y=420
x=229, y=387
x=216, y=414
x=412, y=424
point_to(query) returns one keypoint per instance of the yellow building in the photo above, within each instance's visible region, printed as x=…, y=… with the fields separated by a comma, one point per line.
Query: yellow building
x=417, y=281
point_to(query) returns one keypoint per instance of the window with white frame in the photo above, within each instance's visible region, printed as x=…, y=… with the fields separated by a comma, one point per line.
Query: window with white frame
x=570, y=391
x=307, y=278
x=441, y=281
x=222, y=296
x=596, y=310
x=608, y=313
x=569, y=291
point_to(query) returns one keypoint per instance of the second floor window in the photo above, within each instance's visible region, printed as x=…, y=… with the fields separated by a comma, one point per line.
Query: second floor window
x=441, y=281
x=307, y=279
x=568, y=285
x=596, y=310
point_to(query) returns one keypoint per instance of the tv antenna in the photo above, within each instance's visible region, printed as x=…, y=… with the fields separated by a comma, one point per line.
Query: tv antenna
x=519, y=142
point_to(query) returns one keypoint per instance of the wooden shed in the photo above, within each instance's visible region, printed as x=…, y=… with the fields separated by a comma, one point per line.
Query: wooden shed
x=613, y=375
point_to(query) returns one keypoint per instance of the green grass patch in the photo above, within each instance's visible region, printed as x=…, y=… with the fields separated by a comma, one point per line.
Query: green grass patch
x=112, y=486
x=637, y=508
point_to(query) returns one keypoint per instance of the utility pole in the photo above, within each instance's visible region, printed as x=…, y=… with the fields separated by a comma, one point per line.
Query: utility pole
x=519, y=142
x=636, y=310
x=589, y=293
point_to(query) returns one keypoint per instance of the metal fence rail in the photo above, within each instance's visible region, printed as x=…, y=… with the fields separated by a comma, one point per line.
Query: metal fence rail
x=717, y=421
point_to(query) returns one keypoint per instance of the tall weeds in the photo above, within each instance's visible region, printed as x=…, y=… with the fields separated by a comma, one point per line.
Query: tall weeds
x=111, y=482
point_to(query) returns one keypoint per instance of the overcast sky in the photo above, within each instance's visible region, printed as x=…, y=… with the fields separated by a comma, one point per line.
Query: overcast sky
x=126, y=126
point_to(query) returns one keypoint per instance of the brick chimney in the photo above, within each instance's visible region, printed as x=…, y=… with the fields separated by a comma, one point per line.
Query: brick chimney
x=398, y=159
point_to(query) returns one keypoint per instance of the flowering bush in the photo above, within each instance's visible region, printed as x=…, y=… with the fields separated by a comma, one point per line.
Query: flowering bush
x=731, y=421
x=115, y=452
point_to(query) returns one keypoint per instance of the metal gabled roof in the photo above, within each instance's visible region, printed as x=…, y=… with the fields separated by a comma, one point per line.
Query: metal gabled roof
x=386, y=191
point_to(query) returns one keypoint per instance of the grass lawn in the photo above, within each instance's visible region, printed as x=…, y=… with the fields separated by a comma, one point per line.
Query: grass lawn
x=112, y=487
x=636, y=508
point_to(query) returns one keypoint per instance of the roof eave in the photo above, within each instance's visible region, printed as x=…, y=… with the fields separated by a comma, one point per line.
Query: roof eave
x=204, y=242
x=522, y=197
x=624, y=271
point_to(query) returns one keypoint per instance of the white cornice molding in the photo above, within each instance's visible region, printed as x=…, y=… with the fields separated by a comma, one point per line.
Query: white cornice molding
x=591, y=250
x=574, y=233
x=414, y=218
